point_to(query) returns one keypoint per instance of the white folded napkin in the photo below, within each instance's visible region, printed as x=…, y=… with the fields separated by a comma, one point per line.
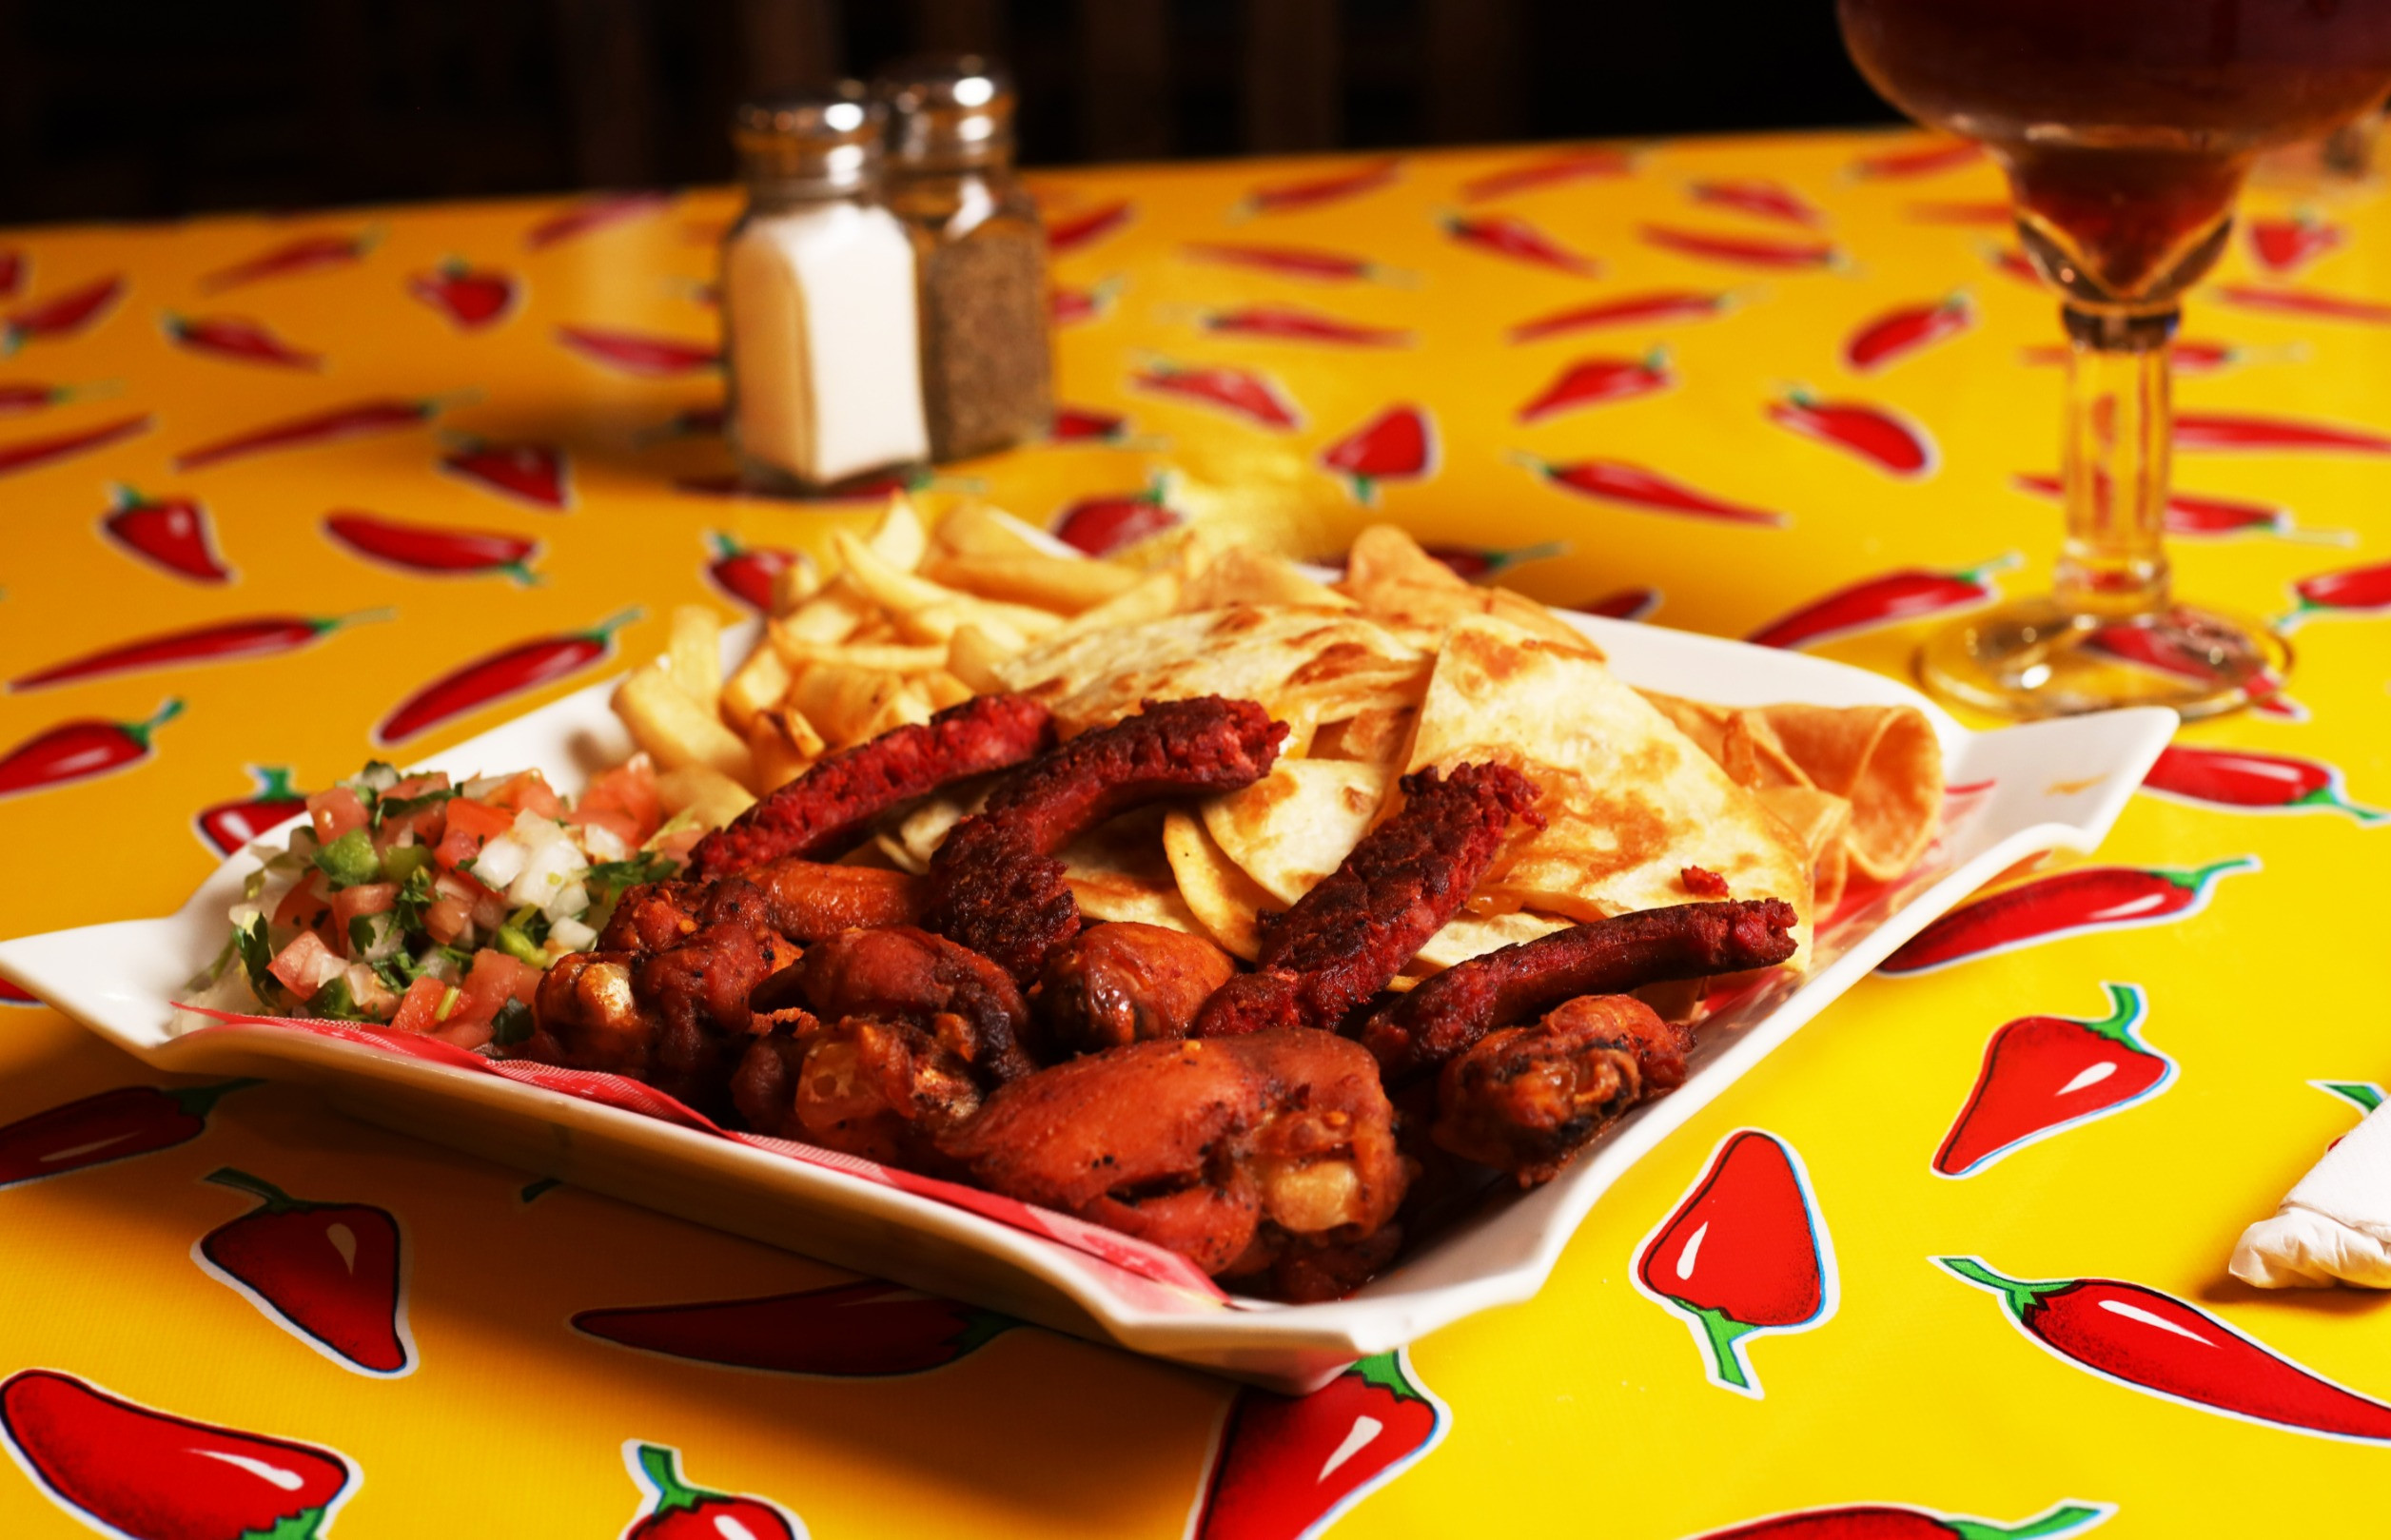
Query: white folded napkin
x=2336, y=1225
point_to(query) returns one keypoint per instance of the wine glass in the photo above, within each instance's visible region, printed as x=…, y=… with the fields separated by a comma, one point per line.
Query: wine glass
x=2126, y=128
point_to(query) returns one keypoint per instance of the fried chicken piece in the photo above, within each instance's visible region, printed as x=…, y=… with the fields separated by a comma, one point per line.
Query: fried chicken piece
x=995, y=885
x=810, y=900
x=1123, y=983
x=904, y=974
x=822, y=814
x=652, y=916
x=881, y=1090
x=1455, y=1009
x=1343, y=939
x=1279, y=1141
x=1527, y=1099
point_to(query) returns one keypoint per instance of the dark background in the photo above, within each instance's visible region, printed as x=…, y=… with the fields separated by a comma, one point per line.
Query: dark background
x=134, y=108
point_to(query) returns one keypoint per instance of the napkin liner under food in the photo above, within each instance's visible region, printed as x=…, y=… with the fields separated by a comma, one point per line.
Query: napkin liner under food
x=2335, y=1226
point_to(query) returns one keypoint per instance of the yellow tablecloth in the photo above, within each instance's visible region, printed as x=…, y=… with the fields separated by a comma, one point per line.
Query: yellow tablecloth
x=1589, y=1410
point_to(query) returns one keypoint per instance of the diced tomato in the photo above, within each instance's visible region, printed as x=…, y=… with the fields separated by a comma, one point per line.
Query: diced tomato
x=621, y=824
x=419, y=1008
x=527, y=793
x=304, y=964
x=630, y=790
x=335, y=813
x=411, y=787
x=465, y=1035
x=371, y=995
x=470, y=825
x=494, y=980
x=365, y=898
x=675, y=847
x=306, y=906
x=447, y=917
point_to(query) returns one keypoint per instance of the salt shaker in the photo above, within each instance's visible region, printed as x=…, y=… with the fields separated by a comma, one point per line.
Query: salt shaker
x=819, y=297
x=980, y=250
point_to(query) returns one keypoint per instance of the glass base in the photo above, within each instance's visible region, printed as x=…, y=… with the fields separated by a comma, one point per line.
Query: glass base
x=2037, y=657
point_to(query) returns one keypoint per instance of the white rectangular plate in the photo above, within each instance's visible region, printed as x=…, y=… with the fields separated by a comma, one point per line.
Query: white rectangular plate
x=2021, y=790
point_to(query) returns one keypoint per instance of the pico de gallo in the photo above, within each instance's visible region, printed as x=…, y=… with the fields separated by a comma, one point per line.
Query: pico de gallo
x=423, y=906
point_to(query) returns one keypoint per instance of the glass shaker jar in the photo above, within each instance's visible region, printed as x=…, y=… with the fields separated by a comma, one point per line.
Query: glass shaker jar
x=986, y=369
x=817, y=297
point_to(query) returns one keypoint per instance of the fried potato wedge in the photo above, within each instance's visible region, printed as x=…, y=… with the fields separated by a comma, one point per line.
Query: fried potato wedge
x=1066, y=585
x=675, y=730
x=694, y=656
x=758, y=682
x=705, y=793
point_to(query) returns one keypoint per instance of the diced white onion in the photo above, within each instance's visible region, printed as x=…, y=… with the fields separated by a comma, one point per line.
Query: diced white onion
x=569, y=901
x=500, y=861
x=482, y=785
x=604, y=844
x=328, y=966
x=545, y=874
x=573, y=935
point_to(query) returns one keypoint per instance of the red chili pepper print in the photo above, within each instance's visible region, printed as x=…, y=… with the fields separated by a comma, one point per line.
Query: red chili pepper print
x=1744, y=1251
x=1472, y=563
x=1313, y=192
x=31, y=453
x=675, y=1511
x=1624, y=604
x=1101, y=526
x=1765, y=200
x=172, y=533
x=12, y=267
x=1878, y=435
x=1072, y=231
x=1290, y=323
x=1549, y=171
x=591, y=214
x=848, y=1331
x=2042, y=1075
x=2155, y=1343
x=2202, y=516
x=2245, y=780
x=1067, y=306
x=227, y=827
x=226, y=641
x=1996, y=214
x=2352, y=591
x=237, y=340
x=359, y=420
x=535, y=473
x=2225, y=431
x=2301, y=302
x=307, y=254
x=1504, y=235
x=1599, y=382
x=61, y=315
x=23, y=398
x=1611, y=480
x=1891, y=599
x=1088, y=425
x=109, y=1126
x=2070, y=903
x=638, y=353
x=2009, y=259
x=1923, y=161
x=1289, y=1466
x=473, y=298
x=1898, y=1521
x=2363, y=1094
x=1911, y=328
x=136, y=1472
x=748, y=574
x=11, y=995
x=2285, y=245
x=499, y=675
x=329, y=1274
x=1295, y=261
x=2146, y=648
x=1630, y=310
x=1242, y=393
x=1744, y=250
x=1399, y=445
x=432, y=549
x=79, y=750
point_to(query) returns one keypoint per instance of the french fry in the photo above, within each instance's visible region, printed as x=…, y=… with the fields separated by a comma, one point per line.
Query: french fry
x=783, y=743
x=694, y=653
x=833, y=614
x=705, y=793
x=1151, y=599
x=939, y=622
x=972, y=656
x=943, y=688
x=1065, y=584
x=886, y=656
x=900, y=540
x=904, y=594
x=796, y=583
x=974, y=530
x=675, y=730
x=840, y=699
x=755, y=684
x=905, y=706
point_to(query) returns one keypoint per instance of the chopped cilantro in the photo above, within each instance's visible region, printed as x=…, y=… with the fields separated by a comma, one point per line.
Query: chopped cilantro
x=334, y=1000
x=647, y=866
x=415, y=896
x=257, y=958
x=389, y=807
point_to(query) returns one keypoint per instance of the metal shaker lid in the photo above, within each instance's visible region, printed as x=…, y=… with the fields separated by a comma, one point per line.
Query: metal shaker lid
x=952, y=109
x=819, y=140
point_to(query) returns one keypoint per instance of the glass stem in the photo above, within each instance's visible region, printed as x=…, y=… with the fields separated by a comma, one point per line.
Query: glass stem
x=2114, y=461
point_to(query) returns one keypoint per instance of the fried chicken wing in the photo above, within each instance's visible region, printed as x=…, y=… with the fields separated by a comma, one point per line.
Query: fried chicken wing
x=810, y=901
x=1354, y=931
x=1525, y=1100
x=904, y=974
x=882, y=1090
x=652, y=916
x=1121, y=983
x=995, y=885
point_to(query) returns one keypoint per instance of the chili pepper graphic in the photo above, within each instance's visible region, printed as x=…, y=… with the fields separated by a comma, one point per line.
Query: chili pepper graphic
x=1291, y=324
x=1627, y=310
x=2248, y=781
x=2202, y=516
x=2042, y=1075
x=637, y=353
x=2351, y=591
x=1889, y=1521
x=849, y=1330
x=748, y=572
x=510, y=670
x=28, y=454
x=1551, y=172
x=1612, y=480
x=61, y=315
x=1744, y=250
x=2017, y=263
x=2301, y=302
x=307, y=254
x=146, y=1474
x=2188, y=355
x=236, y=340
x=1470, y=562
x=1067, y=307
x=1398, y=444
x=1295, y=261
x=1086, y=425
x=1768, y=200
x=173, y=533
x=1898, y=333
x=1101, y=526
x=1506, y=236
x=1961, y=213
x=1624, y=604
x=592, y=214
x=535, y=473
x=1744, y=1251
x=2160, y=1345
x=1311, y=192
x=1595, y=381
x=11, y=995
x=2147, y=648
x=675, y=1511
x=109, y=1126
x=327, y=1272
x=1928, y=159
x=2285, y=245
x=358, y=419
x=12, y=267
x=1288, y=1467
x=2064, y=904
x=2363, y=1094
x=226, y=641
x=78, y=751
x=1240, y=392
x=1891, y=599
x=226, y=826
x=1086, y=227
x=472, y=297
x=2226, y=431
x=1878, y=435
x=431, y=550
x=25, y=397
